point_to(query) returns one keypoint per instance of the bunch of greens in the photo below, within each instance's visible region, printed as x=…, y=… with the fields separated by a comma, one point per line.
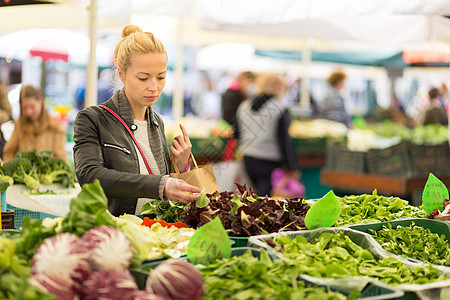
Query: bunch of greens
x=373, y=208
x=390, y=129
x=431, y=134
x=414, y=241
x=245, y=214
x=14, y=273
x=163, y=210
x=335, y=255
x=33, y=168
x=87, y=210
x=248, y=277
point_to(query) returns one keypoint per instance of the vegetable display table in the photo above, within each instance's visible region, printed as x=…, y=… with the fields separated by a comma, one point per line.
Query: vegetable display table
x=57, y=204
x=366, y=183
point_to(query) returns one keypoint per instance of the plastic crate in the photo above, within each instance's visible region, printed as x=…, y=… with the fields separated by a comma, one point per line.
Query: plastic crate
x=393, y=161
x=434, y=159
x=9, y=233
x=340, y=158
x=8, y=219
x=20, y=214
x=310, y=145
x=238, y=241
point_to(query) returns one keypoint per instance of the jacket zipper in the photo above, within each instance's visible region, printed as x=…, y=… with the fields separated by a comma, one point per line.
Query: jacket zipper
x=118, y=148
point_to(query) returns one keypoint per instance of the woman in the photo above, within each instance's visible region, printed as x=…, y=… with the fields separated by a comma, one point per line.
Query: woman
x=35, y=128
x=264, y=140
x=435, y=112
x=5, y=113
x=104, y=148
x=333, y=106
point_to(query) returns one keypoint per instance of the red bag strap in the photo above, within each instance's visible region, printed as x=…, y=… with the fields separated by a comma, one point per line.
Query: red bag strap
x=131, y=134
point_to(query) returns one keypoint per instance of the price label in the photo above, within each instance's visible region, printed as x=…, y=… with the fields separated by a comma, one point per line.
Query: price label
x=434, y=194
x=324, y=213
x=208, y=243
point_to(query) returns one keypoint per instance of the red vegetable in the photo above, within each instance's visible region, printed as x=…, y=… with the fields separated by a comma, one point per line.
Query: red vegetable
x=109, y=284
x=64, y=254
x=176, y=279
x=109, y=248
x=62, y=287
x=143, y=295
x=149, y=222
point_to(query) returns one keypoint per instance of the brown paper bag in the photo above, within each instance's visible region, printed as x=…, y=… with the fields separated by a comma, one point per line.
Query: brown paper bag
x=202, y=177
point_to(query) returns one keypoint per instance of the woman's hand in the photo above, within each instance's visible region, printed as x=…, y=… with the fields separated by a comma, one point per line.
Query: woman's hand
x=175, y=189
x=181, y=149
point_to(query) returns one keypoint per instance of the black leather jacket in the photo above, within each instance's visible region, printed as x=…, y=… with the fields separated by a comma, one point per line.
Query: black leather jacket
x=105, y=151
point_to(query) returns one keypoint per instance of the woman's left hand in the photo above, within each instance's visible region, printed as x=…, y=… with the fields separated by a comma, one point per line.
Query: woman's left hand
x=181, y=149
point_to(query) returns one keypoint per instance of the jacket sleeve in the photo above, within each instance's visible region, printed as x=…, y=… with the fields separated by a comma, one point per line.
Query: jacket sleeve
x=90, y=163
x=285, y=142
x=11, y=146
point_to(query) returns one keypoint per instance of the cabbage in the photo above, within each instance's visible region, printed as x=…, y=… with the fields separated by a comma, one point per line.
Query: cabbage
x=131, y=218
x=109, y=284
x=62, y=287
x=64, y=254
x=176, y=279
x=143, y=295
x=109, y=248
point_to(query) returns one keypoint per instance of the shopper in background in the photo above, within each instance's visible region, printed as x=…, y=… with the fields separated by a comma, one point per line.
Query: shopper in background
x=36, y=128
x=443, y=93
x=333, y=106
x=264, y=140
x=435, y=112
x=109, y=139
x=5, y=113
x=237, y=92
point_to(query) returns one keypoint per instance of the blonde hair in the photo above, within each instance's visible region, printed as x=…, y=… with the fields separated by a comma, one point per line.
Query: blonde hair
x=271, y=84
x=134, y=40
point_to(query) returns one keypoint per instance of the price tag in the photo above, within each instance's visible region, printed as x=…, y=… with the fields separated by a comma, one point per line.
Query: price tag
x=324, y=213
x=208, y=243
x=434, y=194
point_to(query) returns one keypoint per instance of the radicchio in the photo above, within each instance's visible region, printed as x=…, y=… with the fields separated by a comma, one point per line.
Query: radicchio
x=108, y=247
x=62, y=287
x=176, y=279
x=109, y=284
x=64, y=254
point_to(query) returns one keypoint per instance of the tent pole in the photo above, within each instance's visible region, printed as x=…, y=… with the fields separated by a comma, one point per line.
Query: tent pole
x=178, y=94
x=92, y=76
x=306, y=62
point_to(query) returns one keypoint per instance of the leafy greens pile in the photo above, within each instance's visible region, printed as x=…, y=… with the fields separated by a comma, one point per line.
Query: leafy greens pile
x=34, y=168
x=414, y=241
x=373, y=208
x=335, y=255
x=249, y=277
x=245, y=214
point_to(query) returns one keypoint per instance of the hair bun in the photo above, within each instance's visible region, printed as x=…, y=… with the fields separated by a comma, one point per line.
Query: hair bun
x=130, y=29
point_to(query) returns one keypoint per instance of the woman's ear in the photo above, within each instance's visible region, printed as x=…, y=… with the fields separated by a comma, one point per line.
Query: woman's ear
x=121, y=75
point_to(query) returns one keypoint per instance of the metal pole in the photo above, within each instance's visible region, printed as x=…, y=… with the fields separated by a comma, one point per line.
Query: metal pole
x=178, y=94
x=90, y=97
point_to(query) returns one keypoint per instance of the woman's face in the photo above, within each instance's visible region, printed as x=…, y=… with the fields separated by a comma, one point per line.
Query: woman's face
x=31, y=108
x=145, y=78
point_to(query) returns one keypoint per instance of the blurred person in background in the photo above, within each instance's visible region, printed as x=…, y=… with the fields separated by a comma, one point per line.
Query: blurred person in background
x=263, y=123
x=36, y=128
x=333, y=105
x=443, y=93
x=237, y=92
x=435, y=113
x=5, y=113
x=122, y=143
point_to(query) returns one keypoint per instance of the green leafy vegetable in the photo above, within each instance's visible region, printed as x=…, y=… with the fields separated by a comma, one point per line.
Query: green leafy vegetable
x=87, y=210
x=202, y=201
x=163, y=210
x=335, y=255
x=414, y=241
x=249, y=277
x=372, y=208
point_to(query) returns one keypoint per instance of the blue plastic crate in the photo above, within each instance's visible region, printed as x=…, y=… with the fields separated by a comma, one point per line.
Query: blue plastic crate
x=20, y=214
